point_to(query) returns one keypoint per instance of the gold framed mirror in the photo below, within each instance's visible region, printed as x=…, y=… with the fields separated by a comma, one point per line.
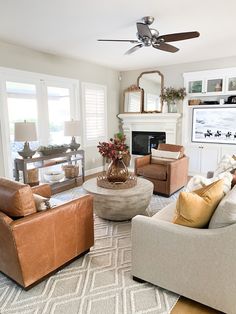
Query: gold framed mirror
x=133, y=99
x=152, y=83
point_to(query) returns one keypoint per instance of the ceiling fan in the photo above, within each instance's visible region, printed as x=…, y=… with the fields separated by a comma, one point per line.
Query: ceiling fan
x=150, y=37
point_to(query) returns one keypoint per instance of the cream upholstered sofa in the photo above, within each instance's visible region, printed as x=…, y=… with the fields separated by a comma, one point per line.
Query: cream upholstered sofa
x=199, y=264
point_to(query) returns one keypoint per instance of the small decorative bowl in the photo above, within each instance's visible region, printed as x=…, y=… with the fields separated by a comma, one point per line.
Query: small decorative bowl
x=53, y=176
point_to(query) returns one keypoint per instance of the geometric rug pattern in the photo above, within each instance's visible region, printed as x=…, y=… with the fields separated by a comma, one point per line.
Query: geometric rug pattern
x=98, y=283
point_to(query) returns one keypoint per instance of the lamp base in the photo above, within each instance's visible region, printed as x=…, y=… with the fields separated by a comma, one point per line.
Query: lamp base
x=27, y=152
x=73, y=144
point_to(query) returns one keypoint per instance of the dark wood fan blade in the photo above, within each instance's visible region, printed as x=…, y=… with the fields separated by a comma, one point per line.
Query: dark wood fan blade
x=132, y=41
x=166, y=47
x=133, y=49
x=143, y=30
x=179, y=36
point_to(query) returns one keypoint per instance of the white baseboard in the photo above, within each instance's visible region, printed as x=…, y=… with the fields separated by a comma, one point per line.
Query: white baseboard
x=94, y=170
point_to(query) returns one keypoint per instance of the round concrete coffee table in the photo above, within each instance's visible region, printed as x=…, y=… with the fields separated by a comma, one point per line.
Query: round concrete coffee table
x=120, y=204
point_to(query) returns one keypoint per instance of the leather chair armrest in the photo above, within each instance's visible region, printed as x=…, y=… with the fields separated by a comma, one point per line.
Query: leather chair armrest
x=46, y=240
x=141, y=161
x=43, y=190
x=177, y=173
x=5, y=219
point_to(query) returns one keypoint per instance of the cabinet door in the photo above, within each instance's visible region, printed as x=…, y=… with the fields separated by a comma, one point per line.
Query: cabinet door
x=195, y=87
x=209, y=159
x=214, y=86
x=194, y=154
x=231, y=85
x=228, y=150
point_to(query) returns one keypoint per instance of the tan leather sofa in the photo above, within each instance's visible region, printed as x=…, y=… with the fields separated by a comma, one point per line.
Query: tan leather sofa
x=34, y=244
x=167, y=175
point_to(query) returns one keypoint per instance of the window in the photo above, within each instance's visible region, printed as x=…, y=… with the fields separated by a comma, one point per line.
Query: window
x=59, y=111
x=46, y=100
x=22, y=105
x=94, y=104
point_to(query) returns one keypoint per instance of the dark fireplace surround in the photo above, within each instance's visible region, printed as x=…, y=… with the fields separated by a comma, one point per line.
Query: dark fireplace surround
x=143, y=142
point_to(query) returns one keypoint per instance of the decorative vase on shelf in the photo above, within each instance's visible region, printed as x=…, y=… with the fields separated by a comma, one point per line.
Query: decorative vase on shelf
x=165, y=107
x=172, y=108
x=117, y=171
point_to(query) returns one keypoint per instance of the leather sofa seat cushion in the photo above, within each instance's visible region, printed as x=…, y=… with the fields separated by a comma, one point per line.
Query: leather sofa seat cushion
x=16, y=199
x=153, y=171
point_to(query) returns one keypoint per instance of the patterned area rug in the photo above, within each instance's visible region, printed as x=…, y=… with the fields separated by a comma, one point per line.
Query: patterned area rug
x=99, y=282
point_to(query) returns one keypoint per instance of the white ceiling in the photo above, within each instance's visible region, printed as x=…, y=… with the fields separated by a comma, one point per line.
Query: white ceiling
x=71, y=28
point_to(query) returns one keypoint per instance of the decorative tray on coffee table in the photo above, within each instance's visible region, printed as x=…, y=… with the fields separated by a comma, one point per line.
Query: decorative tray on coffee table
x=103, y=182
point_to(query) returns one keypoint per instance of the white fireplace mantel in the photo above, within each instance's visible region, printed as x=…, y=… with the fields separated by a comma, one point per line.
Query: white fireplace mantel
x=155, y=122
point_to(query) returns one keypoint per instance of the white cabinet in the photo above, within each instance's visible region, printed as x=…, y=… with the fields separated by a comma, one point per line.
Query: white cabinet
x=230, y=85
x=202, y=159
x=206, y=86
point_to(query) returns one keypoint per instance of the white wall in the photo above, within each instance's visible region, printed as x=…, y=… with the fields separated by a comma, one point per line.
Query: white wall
x=16, y=57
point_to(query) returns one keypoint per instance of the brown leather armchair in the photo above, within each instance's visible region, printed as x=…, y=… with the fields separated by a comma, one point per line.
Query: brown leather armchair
x=167, y=175
x=37, y=243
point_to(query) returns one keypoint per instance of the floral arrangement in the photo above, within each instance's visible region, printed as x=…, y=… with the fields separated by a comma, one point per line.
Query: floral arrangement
x=115, y=148
x=171, y=94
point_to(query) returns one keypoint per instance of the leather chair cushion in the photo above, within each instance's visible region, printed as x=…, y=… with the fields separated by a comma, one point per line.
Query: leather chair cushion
x=154, y=171
x=16, y=199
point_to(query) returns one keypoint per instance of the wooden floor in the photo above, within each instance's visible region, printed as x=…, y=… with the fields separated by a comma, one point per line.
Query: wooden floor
x=184, y=305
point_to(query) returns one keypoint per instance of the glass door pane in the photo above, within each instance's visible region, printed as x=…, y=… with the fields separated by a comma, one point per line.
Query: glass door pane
x=22, y=105
x=214, y=85
x=59, y=111
x=195, y=87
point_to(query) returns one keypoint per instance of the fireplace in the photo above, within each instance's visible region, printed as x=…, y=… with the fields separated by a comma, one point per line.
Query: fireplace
x=143, y=142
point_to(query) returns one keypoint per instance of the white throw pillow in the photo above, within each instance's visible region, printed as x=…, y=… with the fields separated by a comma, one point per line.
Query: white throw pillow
x=227, y=163
x=198, y=182
x=41, y=203
x=165, y=154
x=225, y=213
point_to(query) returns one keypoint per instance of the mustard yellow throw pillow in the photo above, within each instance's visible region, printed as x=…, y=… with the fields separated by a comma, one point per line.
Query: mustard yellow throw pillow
x=195, y=209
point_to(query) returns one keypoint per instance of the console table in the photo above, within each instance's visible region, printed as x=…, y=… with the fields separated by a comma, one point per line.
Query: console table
x=71, y=157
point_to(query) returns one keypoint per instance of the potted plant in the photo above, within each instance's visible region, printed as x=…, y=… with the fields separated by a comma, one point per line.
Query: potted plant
x=170, y=95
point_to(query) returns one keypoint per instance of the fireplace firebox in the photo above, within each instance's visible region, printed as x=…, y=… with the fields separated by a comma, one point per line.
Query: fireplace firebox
x=143, y=142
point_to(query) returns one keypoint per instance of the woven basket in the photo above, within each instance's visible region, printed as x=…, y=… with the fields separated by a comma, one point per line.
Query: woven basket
x=71, y=171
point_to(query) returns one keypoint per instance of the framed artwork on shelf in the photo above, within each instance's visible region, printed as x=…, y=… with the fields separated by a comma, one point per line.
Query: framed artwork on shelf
x=214, y=125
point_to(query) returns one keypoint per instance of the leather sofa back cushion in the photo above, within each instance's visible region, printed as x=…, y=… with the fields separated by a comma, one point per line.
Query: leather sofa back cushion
x=153, y=171
x=16, y=199
x=195, y=209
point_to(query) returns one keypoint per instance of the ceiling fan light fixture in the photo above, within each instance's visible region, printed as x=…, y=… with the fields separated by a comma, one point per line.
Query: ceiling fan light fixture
x=148, y=20
x=147, y=37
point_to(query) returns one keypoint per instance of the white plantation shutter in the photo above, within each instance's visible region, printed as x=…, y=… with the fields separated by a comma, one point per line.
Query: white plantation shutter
x=94, y=101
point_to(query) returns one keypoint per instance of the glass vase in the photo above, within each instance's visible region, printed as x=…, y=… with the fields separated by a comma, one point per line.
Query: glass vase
x=117, y=171
x=172, y=108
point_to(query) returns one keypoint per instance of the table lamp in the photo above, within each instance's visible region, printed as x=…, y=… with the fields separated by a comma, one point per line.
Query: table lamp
x=71, y=128
x=25, y=132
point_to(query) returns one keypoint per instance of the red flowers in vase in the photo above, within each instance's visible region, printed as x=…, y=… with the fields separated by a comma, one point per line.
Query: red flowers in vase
x=115, y=148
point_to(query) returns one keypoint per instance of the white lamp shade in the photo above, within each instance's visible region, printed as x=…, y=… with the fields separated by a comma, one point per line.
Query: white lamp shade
x=71, y=128
x=25, y=131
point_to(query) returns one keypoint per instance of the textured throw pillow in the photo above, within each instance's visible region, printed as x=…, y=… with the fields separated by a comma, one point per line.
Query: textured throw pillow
x=165, y=154
x=225, y=213
x=41, y=203
x=198, y=182
x=227, y=163
x=194, y=209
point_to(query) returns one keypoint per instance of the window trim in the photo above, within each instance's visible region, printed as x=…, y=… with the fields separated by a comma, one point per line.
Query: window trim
x=85, y=85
